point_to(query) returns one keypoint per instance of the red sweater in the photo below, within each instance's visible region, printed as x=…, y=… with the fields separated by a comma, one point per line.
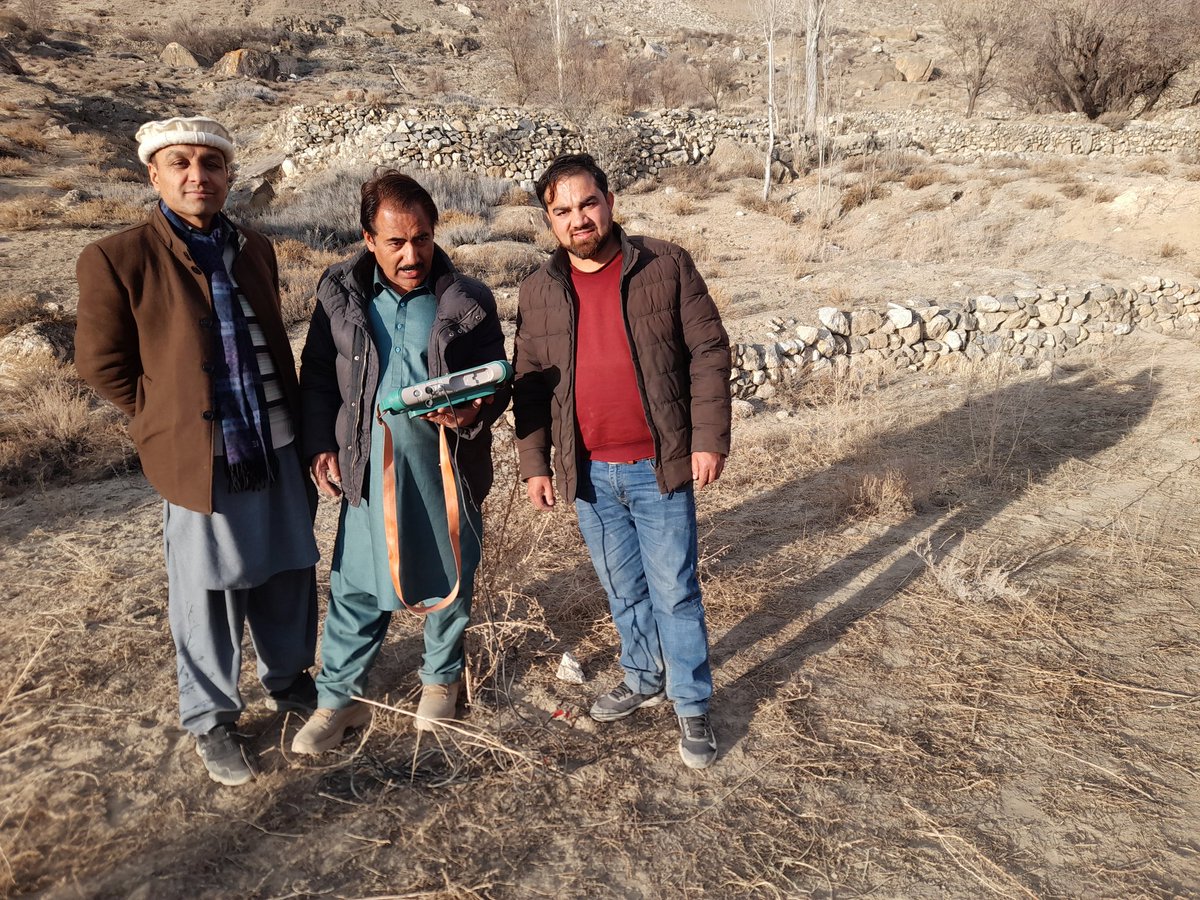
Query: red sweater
x=608, y=406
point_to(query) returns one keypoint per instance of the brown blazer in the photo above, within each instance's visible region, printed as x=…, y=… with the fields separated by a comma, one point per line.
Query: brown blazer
x=145, y=334
x=680, y=356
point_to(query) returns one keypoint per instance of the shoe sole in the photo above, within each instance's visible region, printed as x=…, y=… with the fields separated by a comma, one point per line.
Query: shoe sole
x=611, y=716
x=228, y=782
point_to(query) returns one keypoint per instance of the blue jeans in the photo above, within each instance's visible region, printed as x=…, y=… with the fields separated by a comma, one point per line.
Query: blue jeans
x=643, y=545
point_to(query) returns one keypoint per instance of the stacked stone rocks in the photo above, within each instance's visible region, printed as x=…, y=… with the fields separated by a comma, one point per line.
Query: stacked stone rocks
x=1028, y=324
x=516, y=143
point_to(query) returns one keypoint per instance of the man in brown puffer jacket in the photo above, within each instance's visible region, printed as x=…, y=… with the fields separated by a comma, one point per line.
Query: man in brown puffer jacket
x=622, y=365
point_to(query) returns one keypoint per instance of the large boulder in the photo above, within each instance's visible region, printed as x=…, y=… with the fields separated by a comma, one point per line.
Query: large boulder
x=178, y=56
x=914, y=66
x=873, y=78
x=894, y=33
x=247, y=63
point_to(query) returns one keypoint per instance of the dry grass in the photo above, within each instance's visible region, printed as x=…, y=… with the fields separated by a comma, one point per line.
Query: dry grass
x=103, y=213
x=890, y=659
x=300, y=268
x=13, y=166
x=682, y=205
x=1104, y=195
x=25, y=134
x=1073, y=191
x=1039, y=201
x=1150, y=165
x=54, y=432
x=923, y=178
x=1192, y=174
x=1056, y=169
x=1171, y=250
x=861, y=194
x=17, y=310
x=22, y=214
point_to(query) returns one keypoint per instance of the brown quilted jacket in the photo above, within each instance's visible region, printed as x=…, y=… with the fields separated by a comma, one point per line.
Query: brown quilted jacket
x=680, y=354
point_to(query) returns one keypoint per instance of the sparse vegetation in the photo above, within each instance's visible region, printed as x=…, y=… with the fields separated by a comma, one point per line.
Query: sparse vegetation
x=14, y=166
x=1039, y=201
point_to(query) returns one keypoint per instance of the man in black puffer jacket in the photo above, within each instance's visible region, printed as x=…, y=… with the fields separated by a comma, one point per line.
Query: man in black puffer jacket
x=395, y=314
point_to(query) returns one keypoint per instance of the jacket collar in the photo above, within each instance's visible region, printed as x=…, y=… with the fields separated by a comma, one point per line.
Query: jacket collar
x=357, y=273
x=175, y=243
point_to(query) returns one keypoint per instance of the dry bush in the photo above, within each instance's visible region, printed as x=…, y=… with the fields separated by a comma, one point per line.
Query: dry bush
x=1150, y=165
x=682, y=205
x=697, y=247
x=879, y=493
x=1073, y=191
x=1170, y=250
x=17, y=310
x=1039, y=201
x=498, y=264
x=1192, y=174
x=25, y=134
x=22, y=214
x=103, y=213
x=861, y=194
x=517, y=196
x=39, y=15
x=1054, y=169
x=456, y=228
x=923, y=178
x=95, y=148
x=300, y=269
x=53, y=432
x=62, y=182
x=933, y=204
x=697, y=182
x=12, y=166
x=1104, y=195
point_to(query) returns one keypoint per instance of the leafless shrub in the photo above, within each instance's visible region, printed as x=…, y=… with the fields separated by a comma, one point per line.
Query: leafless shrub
x=697, y=182
x=1170, y=250
x=1073, y=191
x=1192, y=174
x=682, y=205
x=213, y=42
x=933, y=203
x=40, y=15
x=457, y=228
x=676, y=82
x=884, y=492
x=1039, y=201
x=1104, y=195
x=980, y=31
x=716, y=78
x=522, y=36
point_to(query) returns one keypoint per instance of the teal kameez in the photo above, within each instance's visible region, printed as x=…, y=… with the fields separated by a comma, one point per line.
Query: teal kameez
x=362, y=595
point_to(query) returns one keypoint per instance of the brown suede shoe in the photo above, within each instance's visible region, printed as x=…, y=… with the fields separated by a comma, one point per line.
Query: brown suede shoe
x=438, y=703
x=327, y=728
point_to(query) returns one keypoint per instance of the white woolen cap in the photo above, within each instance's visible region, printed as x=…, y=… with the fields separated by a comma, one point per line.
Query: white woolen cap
x=153, y=136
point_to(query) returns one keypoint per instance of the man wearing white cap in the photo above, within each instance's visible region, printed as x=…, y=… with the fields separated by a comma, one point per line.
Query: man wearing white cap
x=179, y=327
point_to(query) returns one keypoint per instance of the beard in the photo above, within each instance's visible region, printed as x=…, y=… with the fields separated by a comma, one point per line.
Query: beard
x=589, y=247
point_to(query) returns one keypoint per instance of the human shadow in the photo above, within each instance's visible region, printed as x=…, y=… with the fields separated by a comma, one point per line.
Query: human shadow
x=1023, y=435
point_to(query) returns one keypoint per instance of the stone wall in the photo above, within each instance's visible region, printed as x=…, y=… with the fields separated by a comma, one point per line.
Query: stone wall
x=517, y=143
x=1029, y=324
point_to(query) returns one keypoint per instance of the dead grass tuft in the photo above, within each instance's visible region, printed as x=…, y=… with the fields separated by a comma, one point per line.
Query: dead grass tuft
x=25, y=134
x=300, y=269
x=1039, y=201
x=22, y=214
x=1104, y=195
x=861, y=194
x=1150, y=165
x=14, y=166
x=55, y=432
x=682, y=205
x=1073, y=191
x=1170, y=250
x=103, y=213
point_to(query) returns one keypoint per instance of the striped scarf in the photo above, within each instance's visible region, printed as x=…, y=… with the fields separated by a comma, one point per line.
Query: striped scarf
x=238, y=397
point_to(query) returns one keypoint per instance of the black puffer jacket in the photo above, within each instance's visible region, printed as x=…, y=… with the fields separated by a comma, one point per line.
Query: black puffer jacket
x=680, y=355
x=339, y=367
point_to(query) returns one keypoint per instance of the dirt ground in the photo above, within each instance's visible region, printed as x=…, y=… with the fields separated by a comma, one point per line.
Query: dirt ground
x=955, y=654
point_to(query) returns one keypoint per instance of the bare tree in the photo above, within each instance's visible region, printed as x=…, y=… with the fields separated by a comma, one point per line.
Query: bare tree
x=814, y=27
x=1097, y=56
x=522, y=36
x=979, y=31
x=558, y=26
x=716, y=78
x=770, y=14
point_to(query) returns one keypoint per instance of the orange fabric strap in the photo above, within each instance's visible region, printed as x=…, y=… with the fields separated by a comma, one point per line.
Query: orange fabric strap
x=391, y=527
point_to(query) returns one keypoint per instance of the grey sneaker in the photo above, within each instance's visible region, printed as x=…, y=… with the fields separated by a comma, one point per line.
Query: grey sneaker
x=223, y=756
x=621, y=701
x=697, y=743
x=299, y=696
